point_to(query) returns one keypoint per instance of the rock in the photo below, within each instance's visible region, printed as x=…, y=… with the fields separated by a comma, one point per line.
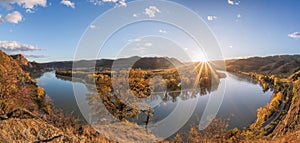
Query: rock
x=28, y=130
x=21, y=60
x=125, y=132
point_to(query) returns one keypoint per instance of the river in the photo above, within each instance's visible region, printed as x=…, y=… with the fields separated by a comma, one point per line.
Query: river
x=241, y=100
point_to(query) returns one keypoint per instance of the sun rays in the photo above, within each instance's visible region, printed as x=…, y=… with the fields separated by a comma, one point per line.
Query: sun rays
x=204, y=71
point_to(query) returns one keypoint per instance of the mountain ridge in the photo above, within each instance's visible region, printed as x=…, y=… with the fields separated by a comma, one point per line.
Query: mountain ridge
x=135, y=62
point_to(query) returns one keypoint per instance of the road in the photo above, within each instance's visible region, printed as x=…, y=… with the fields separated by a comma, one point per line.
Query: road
x=277, y=114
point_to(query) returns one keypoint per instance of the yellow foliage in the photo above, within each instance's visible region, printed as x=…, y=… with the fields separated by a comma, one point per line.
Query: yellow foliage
x=296, y=89
x=264, y=113
x=177, y=139
x=276, y=101
x=40, y=93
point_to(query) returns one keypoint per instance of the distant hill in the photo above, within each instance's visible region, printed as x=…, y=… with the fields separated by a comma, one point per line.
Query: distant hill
x=134, y=62
x=282, y=66
x=147, y=62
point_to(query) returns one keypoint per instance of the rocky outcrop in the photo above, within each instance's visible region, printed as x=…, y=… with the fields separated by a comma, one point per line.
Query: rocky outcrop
x=33, y=68
x=20, y=59
x=125, y=132
x=7, y=64
x=29, y=130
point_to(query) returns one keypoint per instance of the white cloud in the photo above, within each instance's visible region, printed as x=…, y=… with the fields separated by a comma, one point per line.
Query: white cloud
x=211, y=17
x=27, y=4
x=230, y=46
x=140, y=43
x=15, y=46
x=68, y=3
x=117, y=2
x=33, y=56
x=27, y=55
x=140, y=49
x=232, y=2
x=135, y=40
x=92, y=26
x=122, y=3
x=14, y=17
x=148, y=44
x=1, y=20
x=95, y=2
x=151, y=11
x=29, y=11
x=135, y=15
x=238, y=16
x=295, y=35
x=162, y=31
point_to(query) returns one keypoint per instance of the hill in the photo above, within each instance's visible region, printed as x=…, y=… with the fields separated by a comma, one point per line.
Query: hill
x=26, y=113
x=33, y=68
x=135, y=62
x=20, y=59
x=281, y=66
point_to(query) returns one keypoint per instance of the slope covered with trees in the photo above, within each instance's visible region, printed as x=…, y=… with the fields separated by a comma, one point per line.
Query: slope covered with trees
x=26, y=113
x=281, y=66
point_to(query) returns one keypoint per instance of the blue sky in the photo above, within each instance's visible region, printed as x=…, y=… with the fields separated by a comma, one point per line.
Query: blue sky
x=49, y=30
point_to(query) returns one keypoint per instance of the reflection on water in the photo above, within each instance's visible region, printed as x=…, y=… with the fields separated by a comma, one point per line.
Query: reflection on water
x=242, y=99
x=61, y=92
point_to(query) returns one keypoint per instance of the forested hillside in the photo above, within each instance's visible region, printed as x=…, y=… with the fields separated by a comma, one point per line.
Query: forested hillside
x=281, y=66
x=26, y=113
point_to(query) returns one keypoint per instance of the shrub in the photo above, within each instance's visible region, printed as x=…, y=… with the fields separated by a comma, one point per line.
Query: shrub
x=40, y=94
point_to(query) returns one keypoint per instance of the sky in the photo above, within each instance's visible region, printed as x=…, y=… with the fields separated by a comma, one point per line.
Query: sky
x=52, y=30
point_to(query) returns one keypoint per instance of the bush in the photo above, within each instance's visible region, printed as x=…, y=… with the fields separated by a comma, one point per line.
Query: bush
x=40, y=94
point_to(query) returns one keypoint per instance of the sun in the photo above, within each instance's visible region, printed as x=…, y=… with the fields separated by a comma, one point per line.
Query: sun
x=204, y=60
x=200, y=57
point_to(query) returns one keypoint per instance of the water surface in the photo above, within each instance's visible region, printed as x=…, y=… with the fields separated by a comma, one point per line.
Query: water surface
x=242, y=98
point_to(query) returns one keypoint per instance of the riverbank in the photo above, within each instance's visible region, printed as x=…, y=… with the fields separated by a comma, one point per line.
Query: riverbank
x=275, y=116
x=245, y=94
